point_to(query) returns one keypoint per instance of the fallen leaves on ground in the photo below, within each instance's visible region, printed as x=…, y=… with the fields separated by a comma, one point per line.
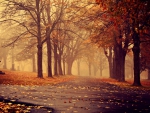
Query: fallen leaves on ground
x=30, y=78
x=20, y=108
x=127, y=83
x=13, y=108
x=144, y=82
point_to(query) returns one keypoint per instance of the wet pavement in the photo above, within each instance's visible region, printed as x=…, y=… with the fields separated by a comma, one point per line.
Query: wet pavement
x=82, y=95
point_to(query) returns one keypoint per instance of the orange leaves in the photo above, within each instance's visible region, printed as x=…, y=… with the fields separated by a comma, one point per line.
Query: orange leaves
x=104, y=16
x=28, y=78
x=102, y=4
x=103, y=7
x=98, y=1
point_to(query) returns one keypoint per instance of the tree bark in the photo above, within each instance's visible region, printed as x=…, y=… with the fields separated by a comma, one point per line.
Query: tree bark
x=39, y=46
x=49, y=54
x=64, y=67
x=5, y=62
x=148, y=73
x=101, y=71
x=136, y=59
x=48, y=41
x=95, y=70
x=78, y=65
x=39, y=60
x=110, y=62
x=59, y=64
x=110, y=68
x=13, y=65
x=90, y=69
x=55, y=58
x=118, y=63
x=114, y=69
x=69, y=67
x=33, y=63
x=122, y=78
x=119, y=59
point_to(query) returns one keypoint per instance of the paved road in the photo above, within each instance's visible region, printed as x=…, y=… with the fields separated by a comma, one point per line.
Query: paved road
x=83, y=95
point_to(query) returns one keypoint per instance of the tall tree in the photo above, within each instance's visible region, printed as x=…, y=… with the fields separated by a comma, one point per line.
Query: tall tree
x=43, y=20
x=137, y=14
x=32, y=10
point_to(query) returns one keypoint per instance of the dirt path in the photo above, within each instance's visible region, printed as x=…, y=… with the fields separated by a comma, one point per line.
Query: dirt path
x=82, y=95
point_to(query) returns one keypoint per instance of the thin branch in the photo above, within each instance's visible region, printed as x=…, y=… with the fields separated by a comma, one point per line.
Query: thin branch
x=22, y=24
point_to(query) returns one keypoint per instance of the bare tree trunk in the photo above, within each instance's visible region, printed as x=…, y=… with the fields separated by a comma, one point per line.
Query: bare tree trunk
x=122, y=55
x=64, y=67
x=78, y=65
x=148, y=73
x=13, y=65
x=33, y=63
x=100, y=65
x=110, y=58
x=39, y=60
x=136, y=59
x=5, y=62
x=101, y=71
x=119, y=60
x=69, y=67
x=59, y=64
x=49, y=54
x=110, y=61
x=114, y=68
x=39, y=46
x=123, y=68
x=95, y=70
x=124, y=52
x=55, y=58
x=90, y=73
x=48, y=41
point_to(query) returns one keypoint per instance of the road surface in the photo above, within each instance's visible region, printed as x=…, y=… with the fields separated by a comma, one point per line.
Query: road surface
x=82, y=95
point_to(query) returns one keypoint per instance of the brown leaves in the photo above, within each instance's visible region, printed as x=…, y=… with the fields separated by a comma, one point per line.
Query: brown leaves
x=129, y=82
x=29, y=78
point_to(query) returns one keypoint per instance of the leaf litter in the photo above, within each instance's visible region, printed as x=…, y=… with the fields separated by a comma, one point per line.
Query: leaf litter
x=29, y=80
x=24, y=79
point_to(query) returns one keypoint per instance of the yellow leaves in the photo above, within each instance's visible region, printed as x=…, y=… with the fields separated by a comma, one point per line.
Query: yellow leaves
x=9, y=107
x=20, y=108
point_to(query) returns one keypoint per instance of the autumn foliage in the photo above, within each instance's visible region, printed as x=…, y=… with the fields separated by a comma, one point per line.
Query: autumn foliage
x=29, y=78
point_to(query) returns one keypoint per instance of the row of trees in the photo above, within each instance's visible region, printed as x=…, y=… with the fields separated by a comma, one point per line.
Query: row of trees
x=46, y=28
x=40, y=23
x=62, y=26
x=128, y=24
x=119, y=27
